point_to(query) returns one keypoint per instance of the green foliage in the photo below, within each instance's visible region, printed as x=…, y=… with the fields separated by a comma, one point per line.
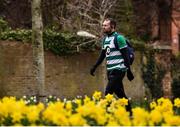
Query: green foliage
x=176, y=87
x=6, y=33
x=16, y=35
x=25, y=122
x=51, y=99
x=146, y=37
x=30, y=100
x=152, y=73
x=53, y=41
x=176, y=76
x=8, y=121
x=138, y=44
x=58, y=43
x=3, y=25
x=143, y=103
x=123, y=13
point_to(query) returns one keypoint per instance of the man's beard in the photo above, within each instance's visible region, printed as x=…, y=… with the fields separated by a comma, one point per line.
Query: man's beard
x=107, y=32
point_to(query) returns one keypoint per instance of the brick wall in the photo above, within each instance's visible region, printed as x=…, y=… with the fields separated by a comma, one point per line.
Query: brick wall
x=66, y=76
x=175, y=30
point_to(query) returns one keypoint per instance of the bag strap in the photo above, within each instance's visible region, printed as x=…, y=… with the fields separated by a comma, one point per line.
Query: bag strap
x=128, y=43
x=115, y=42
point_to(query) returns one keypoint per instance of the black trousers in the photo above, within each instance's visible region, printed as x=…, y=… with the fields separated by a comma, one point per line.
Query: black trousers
x=115, y=85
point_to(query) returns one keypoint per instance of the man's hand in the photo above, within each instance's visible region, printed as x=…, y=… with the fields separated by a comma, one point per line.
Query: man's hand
x=130, y=75
x=92, y=70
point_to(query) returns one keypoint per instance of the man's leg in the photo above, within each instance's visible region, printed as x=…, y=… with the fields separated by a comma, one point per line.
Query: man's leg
x=119, y=88
x=120, y=93
x=109, y=87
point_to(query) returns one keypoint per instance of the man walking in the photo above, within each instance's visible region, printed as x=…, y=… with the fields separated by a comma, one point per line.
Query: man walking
x=117, y=60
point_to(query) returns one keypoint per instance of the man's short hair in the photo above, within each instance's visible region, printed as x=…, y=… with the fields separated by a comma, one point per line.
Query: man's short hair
x=112, y=22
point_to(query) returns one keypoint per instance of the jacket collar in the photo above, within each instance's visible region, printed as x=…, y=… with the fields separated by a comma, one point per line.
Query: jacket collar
x=110, y=34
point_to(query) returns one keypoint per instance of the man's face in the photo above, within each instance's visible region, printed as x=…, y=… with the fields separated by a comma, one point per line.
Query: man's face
x=106, y=26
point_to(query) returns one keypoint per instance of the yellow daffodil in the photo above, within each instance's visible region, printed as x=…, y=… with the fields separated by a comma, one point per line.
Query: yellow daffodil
x=33, y=112
x=112, y=120
x=140, y=117
x=97, y=95
x=177, y=102
x=59, y=119
x=16, y=116
x=68, y=105
x=87, y=112
x=171, y=120
x=103, y=103
x=123, y=101
x=86, y=99
x=122, y=116
x=77, y=120
x=109, y=97
x=155, y=117
x=78, y=102
x=153, y=105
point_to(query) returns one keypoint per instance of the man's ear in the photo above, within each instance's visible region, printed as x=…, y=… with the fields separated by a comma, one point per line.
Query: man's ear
x=112, y=27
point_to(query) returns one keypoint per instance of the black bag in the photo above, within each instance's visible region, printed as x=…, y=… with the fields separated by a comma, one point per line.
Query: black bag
x=129, y=47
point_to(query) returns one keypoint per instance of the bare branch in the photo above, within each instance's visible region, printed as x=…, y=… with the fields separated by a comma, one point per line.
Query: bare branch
x=89, y=17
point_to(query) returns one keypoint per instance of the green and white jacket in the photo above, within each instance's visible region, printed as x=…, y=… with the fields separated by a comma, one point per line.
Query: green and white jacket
x=114, y=59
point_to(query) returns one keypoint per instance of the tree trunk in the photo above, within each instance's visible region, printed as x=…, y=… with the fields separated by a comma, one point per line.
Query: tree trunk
x=38, y=50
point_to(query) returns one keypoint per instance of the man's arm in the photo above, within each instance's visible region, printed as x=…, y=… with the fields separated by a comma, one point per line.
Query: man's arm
x=124, y=51
x=98, y=62
x=125, y=56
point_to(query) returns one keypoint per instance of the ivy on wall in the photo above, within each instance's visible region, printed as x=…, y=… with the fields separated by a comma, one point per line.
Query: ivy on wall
x=58, y=43
x=176, y=76
x=152, y=73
